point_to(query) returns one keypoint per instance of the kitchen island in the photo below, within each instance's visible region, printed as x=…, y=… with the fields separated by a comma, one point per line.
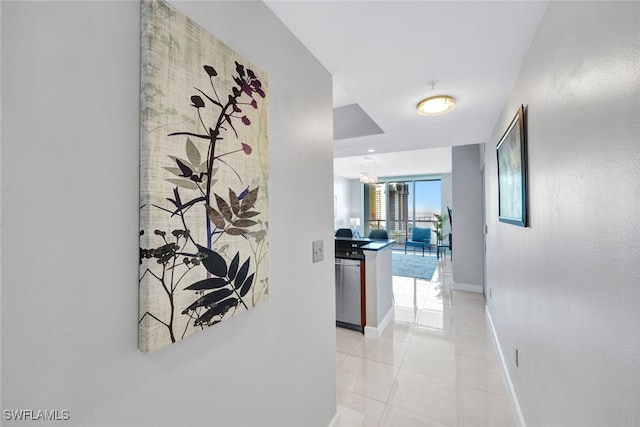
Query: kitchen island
x=376, y=283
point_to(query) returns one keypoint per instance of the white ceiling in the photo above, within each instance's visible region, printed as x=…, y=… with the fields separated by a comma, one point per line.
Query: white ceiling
x=400, y=163
x=382, y=54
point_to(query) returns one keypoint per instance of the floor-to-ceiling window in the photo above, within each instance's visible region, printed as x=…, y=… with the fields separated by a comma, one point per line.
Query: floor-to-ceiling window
x=427, y=204
x=399, y=205
x=375, y=207
x=400, y=209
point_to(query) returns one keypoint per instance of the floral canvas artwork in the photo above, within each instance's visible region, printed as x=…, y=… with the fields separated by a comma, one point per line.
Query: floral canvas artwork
x=203, y=180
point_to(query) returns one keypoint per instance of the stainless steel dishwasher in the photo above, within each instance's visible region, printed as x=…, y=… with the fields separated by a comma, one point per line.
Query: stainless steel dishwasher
x=348, y=294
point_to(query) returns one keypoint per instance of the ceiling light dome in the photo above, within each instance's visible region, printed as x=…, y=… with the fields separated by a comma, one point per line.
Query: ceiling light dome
x=436, y=105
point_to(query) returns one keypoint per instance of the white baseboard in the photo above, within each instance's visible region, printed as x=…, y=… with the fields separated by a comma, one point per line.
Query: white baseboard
x=376, y=332
x=513, y=398
x=335, y=421
x=467, y=287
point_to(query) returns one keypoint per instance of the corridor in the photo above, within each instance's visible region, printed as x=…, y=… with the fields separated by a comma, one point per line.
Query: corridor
x=435, y=365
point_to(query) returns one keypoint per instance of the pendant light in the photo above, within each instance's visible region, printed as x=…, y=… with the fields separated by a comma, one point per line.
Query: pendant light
x=368, y=177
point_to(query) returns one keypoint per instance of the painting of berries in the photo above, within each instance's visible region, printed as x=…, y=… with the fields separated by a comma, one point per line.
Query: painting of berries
x=203, y=180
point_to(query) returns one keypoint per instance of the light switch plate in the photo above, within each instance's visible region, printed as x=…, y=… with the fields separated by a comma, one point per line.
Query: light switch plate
x=318, y=251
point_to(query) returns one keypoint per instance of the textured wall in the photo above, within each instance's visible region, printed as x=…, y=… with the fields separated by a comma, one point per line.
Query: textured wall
x=70, y=99
x=446, y=201
x=566, y=290
x=342, y=196
x=466, y=187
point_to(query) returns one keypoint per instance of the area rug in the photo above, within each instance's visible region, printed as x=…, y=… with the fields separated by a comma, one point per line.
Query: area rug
x=418, y=266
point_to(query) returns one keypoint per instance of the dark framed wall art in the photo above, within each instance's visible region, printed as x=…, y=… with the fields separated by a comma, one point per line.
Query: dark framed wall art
x=512, y=172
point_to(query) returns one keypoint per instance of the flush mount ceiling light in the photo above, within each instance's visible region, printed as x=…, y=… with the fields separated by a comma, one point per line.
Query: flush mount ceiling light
x=435, y=105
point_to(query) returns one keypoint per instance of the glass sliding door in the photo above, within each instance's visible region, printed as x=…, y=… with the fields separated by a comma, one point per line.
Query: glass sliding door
x=375, y=207
x=400, y=205
x=427, y=204
x=400, y=210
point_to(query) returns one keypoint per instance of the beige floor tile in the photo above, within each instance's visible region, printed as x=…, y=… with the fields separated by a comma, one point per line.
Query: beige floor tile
x=381, y=350
x=371, y=379
x=399, y=331
x=346, y=339
x=411, y=288
x=405, y=314
x=474, y=345
x=395, y=417
x=340, y=356
x=356, y=410
x=433, y=339
x=430, y=361
x=481, y=374
x=426, y=396
x=482, y=409
x=432, y=317
x=411, y=303
x=470, y=325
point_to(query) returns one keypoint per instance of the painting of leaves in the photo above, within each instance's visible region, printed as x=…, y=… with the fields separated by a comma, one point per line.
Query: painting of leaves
x=203, y=180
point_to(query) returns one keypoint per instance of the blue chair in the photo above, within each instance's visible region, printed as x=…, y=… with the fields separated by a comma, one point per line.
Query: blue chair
x=420, y=238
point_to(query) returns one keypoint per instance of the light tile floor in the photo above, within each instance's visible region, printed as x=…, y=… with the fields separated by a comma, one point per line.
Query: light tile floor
x=435, y=365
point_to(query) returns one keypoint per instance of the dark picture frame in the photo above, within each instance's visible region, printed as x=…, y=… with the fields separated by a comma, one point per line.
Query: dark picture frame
x=512, y=172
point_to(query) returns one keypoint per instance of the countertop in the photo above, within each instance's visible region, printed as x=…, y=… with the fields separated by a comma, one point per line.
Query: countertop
x=369, y=244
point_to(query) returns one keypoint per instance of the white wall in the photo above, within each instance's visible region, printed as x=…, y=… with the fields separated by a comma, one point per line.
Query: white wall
x=342, y=200
x=468, y=243
x=349, y=202
x=566, y=289
x=446, y=198
x=357, y=201
x=70, y=85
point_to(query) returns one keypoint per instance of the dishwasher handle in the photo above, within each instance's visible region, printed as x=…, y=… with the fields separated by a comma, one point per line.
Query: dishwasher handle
x=348, y=262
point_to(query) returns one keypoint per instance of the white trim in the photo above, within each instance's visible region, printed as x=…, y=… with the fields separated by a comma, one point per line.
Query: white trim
x=467, y=287
x=511, y=392
x=335, y=421
x=371, y=332
x=376, y=333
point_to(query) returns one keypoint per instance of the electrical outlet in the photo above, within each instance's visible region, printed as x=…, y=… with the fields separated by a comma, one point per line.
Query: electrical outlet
x=318, y=251
x=516, y=356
